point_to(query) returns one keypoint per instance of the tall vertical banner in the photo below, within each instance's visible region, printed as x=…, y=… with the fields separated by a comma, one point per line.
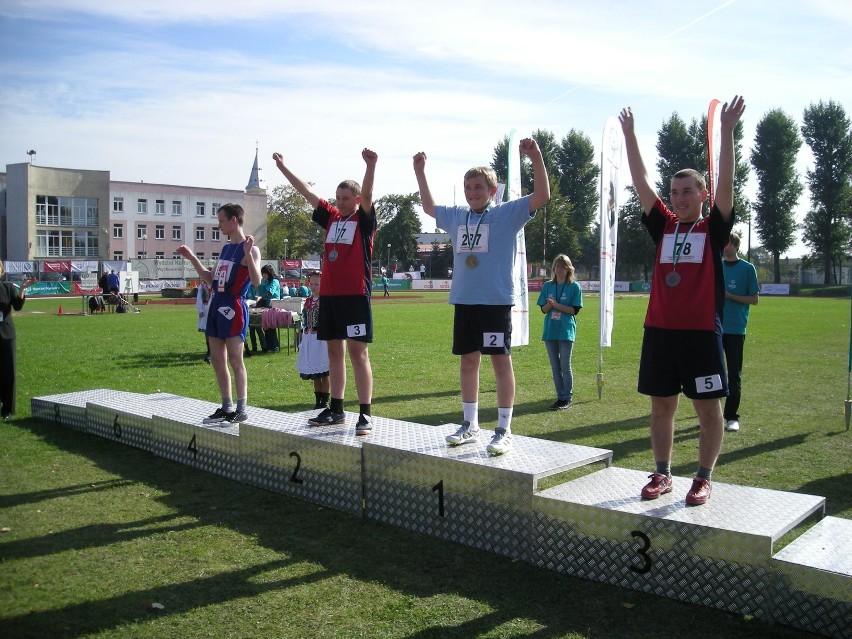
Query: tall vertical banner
x=521, y=309
x=610, y=163
x=714, y=133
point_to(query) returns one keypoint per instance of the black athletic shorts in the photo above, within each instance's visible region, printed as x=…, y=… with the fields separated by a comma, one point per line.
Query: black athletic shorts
x=483, y=328
x=689, y=361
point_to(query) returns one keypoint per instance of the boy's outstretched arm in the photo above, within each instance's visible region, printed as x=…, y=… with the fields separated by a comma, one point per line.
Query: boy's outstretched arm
x=426, y=198
x=641, y=182
x=370, y=157
x=300, y=185
x=731, y=114
x=541, y=185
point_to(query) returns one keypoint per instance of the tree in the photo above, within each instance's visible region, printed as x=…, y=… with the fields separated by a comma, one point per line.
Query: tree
x=828, y=225
x=289, y=217
x=400, y=226
x=578, y=184
x=678, y=148
x=636, y=251
x=776, y=144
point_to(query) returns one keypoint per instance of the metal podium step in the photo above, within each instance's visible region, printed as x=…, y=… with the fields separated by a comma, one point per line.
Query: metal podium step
x=318, y=464
x=69, y=409
x=812, y=586
x=414, y=480
x=597, y=527
x=716, y=555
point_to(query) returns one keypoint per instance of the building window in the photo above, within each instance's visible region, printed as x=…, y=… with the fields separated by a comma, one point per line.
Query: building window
x=118, y=256
x=142, y=232
x=159, y=232
x=175, y=208
x=215, y=235
x=199, y=233
x=175, y=232
x=142, y=205
x=66, y=243
x=214, y=208
x=214, y=256
x=199, y=209
x=118, y=205
x=66, y=211
x=200, y=256
x=118, y=231
x=160, y=255
x=160, y=207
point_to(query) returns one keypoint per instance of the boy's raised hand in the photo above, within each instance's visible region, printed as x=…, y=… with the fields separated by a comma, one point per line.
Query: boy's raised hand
x=370, y=157
x=419, y=161
x=732, y=111
x=626, y=119
x=529, y=147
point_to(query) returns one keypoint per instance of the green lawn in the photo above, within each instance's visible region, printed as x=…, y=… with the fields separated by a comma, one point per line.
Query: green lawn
x=99, y=531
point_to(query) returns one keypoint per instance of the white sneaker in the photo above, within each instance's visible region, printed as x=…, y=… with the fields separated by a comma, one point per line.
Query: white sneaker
x=501, y=443
x=464, y=435
x=732, y=425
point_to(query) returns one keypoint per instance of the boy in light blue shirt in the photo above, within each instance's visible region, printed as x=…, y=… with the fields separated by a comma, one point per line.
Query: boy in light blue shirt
x=484, y=238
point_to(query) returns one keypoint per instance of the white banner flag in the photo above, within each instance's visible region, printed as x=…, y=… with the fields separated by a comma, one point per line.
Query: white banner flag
x=521, y=309
x=610, y=161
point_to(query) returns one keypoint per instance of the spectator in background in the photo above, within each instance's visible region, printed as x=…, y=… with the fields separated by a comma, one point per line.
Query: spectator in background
x=269, y=290
x=11, y=298
x=741, y=292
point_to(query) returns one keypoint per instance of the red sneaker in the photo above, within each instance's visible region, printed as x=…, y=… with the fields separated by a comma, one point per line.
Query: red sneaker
x=659, y=485
x=699, y=493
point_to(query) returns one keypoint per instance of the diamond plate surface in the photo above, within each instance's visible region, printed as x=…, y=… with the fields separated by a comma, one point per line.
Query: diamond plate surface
x=178, y=434
x=321, y=465
x=69, y=409
x=414, y=480
x=124, y=425
x=812, y=585
x=715, y=555
x=755, y=517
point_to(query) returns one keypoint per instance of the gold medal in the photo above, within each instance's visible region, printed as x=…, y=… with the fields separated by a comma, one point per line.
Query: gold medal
x=471, y=261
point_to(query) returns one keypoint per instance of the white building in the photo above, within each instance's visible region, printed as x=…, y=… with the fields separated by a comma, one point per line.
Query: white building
x=71, y=213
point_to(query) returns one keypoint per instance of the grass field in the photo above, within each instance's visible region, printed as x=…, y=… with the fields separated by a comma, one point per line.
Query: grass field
x=99, y=531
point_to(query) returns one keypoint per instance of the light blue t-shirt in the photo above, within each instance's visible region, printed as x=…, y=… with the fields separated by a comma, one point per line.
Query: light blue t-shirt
x=493, y=238
x=558, y=325
x=740, y=279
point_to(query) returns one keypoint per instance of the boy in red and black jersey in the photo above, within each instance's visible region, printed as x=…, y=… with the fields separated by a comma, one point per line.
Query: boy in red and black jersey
x=682, y=346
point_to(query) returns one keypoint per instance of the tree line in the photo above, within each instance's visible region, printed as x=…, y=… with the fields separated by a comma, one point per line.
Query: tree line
x=569, y=223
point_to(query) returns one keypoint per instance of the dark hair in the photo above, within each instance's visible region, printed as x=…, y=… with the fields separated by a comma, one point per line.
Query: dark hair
x=232, y=211
x=268, y=270
x=700, y=182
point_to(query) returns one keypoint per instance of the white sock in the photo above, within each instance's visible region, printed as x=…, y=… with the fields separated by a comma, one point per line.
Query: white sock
x=504, y=418
x=471, y=413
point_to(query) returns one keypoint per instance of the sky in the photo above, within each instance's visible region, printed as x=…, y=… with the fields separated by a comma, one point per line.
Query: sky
x=184, y=92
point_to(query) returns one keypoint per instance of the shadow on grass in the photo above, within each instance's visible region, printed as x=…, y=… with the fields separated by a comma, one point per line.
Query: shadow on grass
x=401, y=560
x=836, y=490
x=162, y=359
x=9, y=501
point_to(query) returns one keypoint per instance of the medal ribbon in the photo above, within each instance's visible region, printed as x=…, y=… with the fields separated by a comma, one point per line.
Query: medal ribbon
x=675, y=253
x=476, y=231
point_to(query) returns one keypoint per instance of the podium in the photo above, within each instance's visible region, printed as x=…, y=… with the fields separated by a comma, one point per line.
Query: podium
x=720, y=555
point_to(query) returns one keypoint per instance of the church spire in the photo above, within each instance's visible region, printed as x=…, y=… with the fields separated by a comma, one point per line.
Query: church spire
x=255, y=183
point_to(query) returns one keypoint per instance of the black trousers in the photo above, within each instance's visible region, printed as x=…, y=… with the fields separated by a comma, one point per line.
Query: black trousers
x=7, y=377
x=734, y=345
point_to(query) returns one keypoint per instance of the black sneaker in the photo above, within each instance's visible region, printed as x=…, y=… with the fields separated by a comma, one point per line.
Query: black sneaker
x=561, y=404
x=219, y=416
x=364, y=425
x=327, y=418
x=236, y=417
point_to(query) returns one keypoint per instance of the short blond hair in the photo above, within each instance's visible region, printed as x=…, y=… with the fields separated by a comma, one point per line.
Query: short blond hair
x=485, y=172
